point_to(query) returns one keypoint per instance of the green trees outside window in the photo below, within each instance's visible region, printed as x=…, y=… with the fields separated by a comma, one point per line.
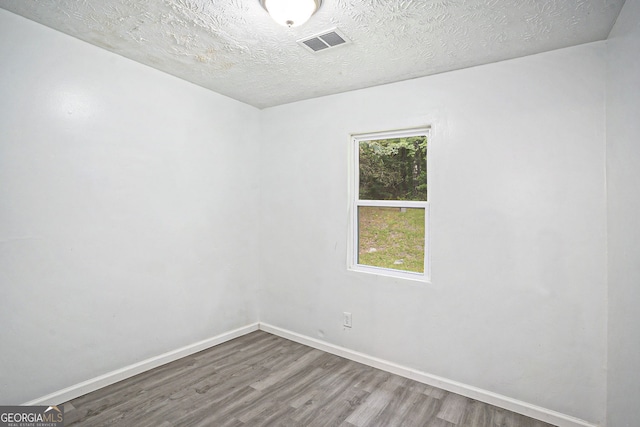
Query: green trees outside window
x=394, y=169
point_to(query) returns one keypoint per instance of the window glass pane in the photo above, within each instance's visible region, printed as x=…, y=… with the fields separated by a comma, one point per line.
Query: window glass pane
x=393, y=169
x=391, y=238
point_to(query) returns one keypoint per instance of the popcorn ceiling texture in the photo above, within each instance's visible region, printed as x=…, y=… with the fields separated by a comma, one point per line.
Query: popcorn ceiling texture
x=234, y=48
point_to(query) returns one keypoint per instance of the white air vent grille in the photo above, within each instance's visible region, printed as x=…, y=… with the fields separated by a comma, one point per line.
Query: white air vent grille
x=324, y=40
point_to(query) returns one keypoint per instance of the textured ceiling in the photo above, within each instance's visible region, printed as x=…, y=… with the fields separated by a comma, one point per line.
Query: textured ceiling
x=234, y=48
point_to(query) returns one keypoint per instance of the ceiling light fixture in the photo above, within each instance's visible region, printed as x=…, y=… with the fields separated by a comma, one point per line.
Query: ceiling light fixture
x=291, y=12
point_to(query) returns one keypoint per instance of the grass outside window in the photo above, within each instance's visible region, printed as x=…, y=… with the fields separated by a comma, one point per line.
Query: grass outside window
x=391, y=238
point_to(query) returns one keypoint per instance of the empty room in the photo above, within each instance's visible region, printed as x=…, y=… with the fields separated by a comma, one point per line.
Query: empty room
x=320, y=213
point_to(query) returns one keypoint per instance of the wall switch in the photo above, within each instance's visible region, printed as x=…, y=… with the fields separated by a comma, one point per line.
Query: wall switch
x=346, y=319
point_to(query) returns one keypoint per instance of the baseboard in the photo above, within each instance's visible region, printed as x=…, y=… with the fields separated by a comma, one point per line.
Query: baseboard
x=537, y=412
x=505, y=402
x=109, y=378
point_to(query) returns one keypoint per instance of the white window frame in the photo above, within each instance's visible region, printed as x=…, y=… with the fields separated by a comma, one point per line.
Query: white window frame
x=356, y=202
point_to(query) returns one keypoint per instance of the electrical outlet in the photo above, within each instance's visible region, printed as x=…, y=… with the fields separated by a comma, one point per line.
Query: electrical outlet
x=346, y=319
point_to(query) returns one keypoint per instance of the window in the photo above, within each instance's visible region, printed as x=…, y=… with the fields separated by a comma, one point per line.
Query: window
x=390, y=208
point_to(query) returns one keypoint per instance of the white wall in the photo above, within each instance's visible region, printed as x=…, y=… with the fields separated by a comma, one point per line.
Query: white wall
x=623, y=192
x=517, y=303
x=126, y=217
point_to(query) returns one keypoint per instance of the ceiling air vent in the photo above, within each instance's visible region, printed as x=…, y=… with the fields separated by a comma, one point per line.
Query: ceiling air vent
x=324, y=40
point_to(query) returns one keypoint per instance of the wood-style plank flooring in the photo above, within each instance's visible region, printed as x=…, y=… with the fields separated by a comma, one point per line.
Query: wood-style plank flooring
x=264, y=380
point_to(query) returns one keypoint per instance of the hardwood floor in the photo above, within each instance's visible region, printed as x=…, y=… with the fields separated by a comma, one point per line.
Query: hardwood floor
x=264, y=380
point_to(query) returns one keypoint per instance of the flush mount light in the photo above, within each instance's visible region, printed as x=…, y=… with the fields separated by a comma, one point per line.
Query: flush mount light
x=291, y=12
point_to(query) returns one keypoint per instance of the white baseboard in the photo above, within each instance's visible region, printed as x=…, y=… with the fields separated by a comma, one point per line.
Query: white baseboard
x=475, y=393
x=505, y=402
x=109, y=378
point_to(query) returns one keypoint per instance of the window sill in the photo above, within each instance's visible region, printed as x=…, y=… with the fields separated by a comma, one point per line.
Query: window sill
x=395, y=274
